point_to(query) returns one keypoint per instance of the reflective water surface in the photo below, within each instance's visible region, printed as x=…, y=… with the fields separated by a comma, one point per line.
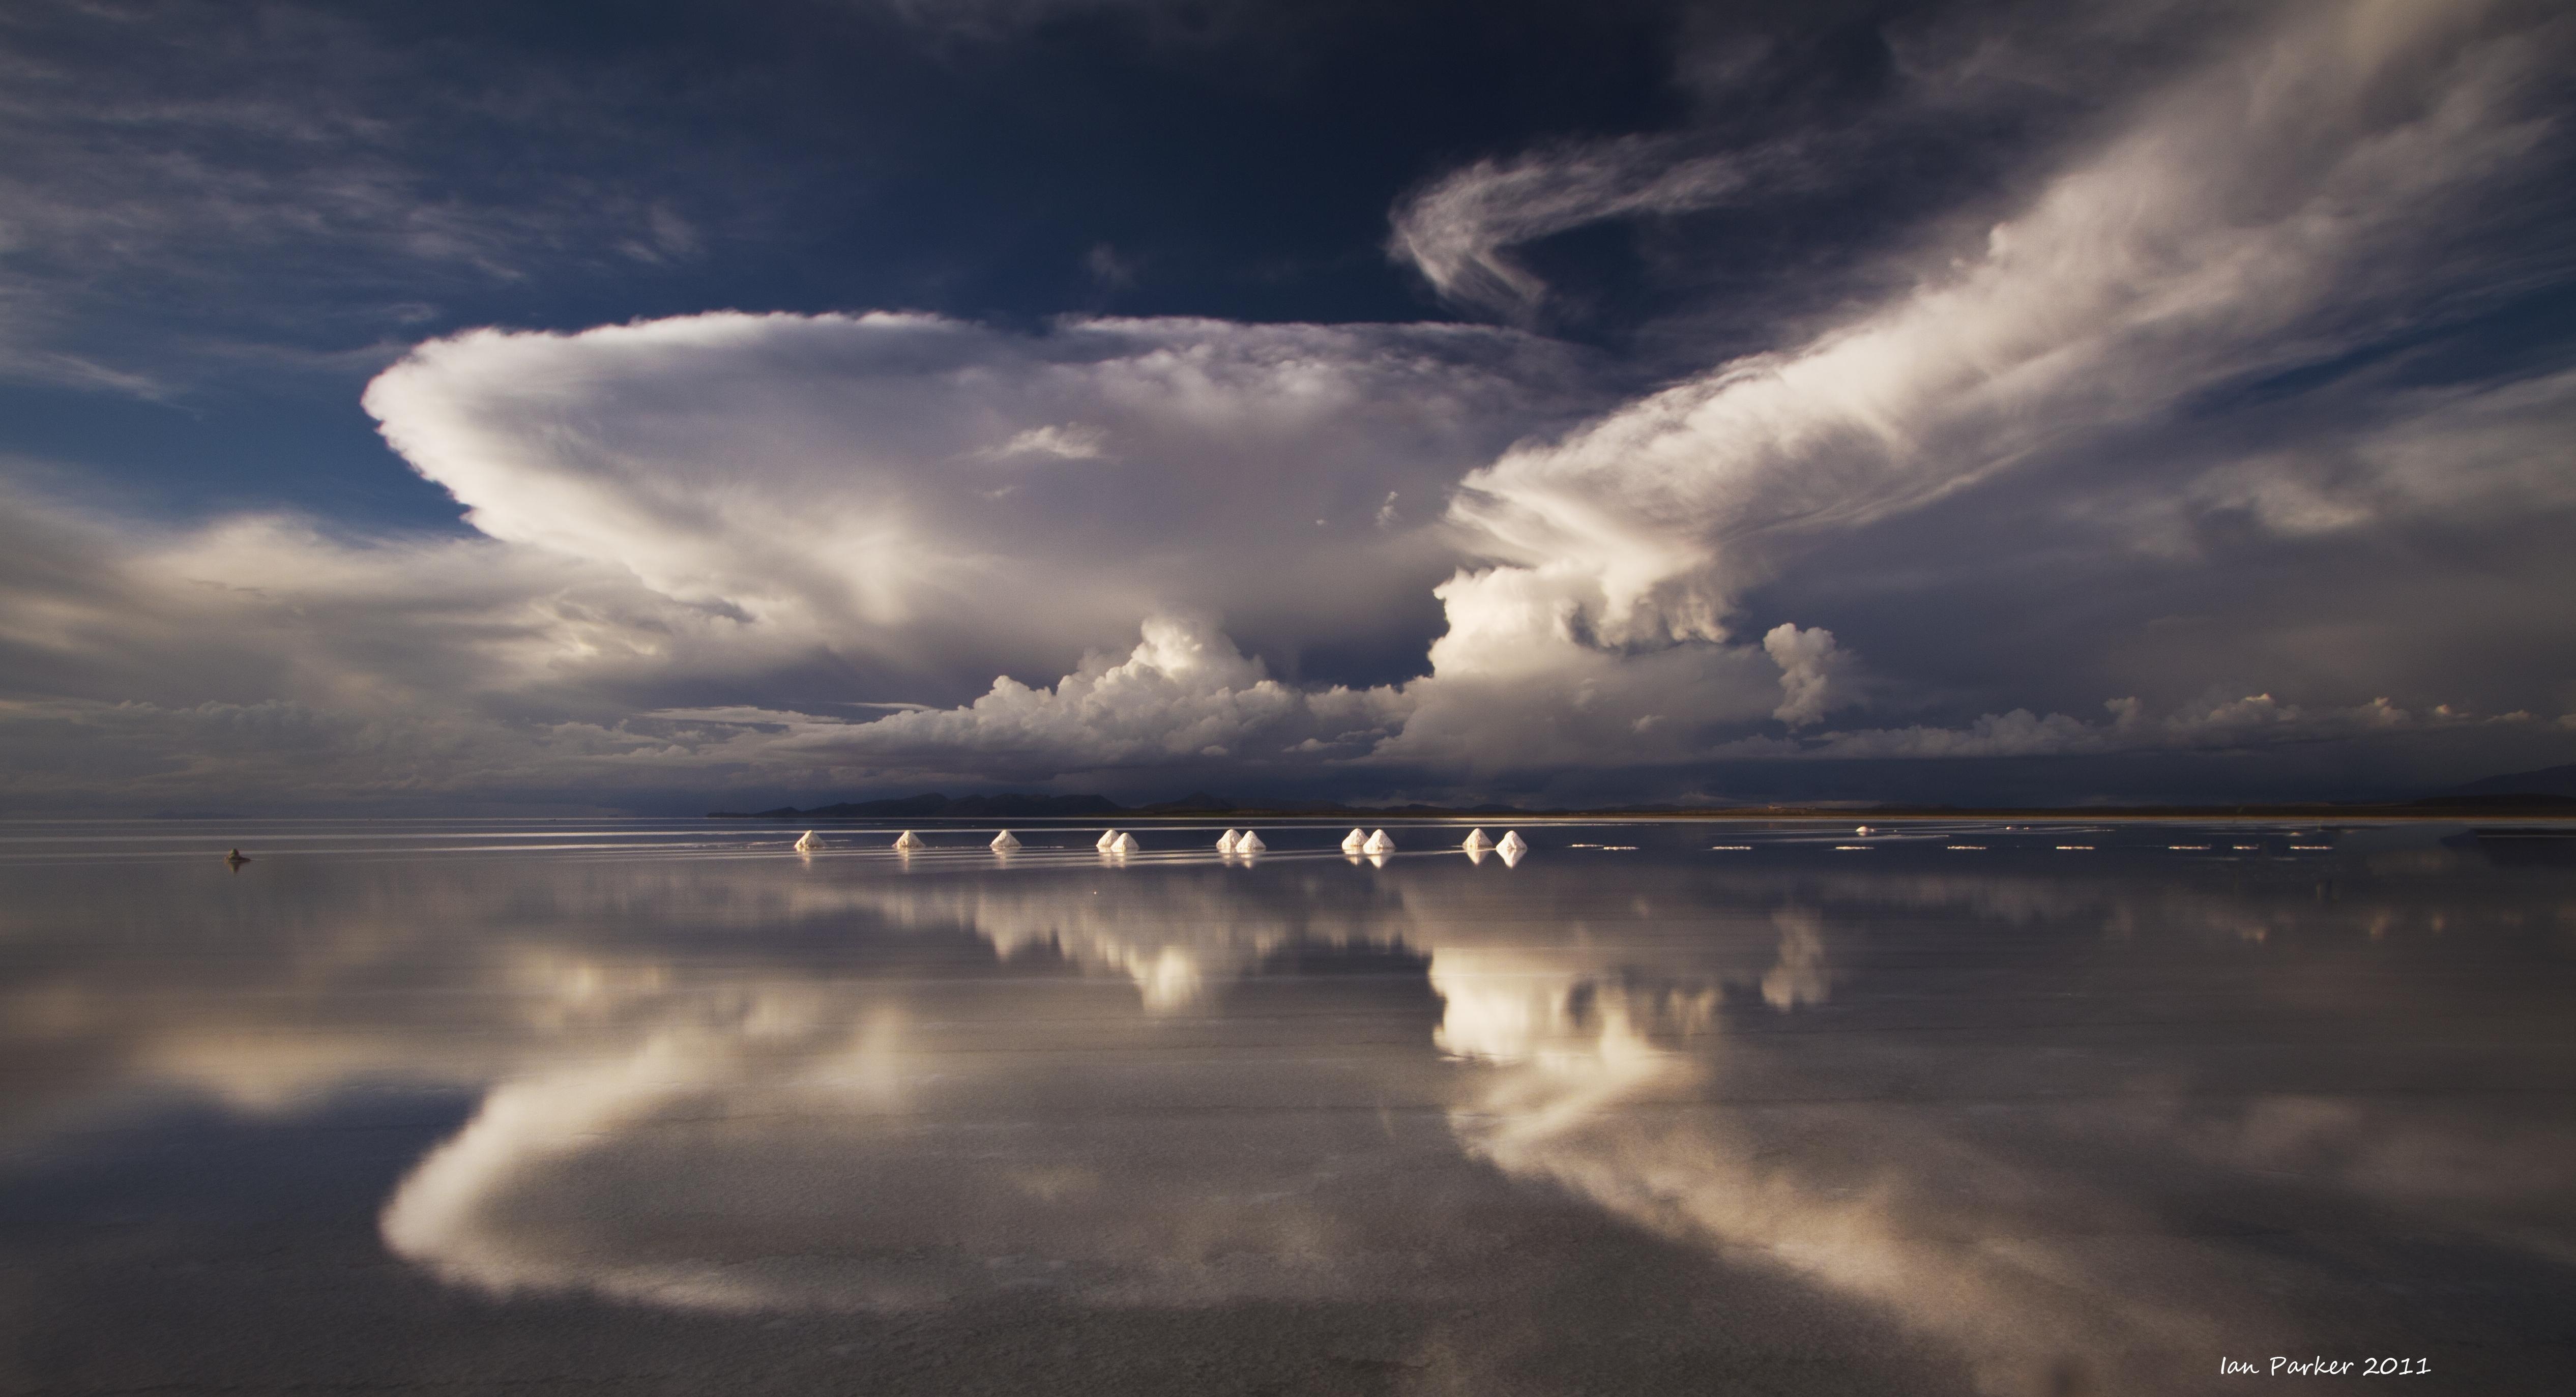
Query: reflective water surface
x=1673, y=1107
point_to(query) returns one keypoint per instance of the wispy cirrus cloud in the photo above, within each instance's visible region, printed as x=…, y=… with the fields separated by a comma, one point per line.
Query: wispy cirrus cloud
x=282, y=190
x=1459, y=230
x=2238, y=224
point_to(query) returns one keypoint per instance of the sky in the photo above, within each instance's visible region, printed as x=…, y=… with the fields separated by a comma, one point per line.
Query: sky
x=649, y=407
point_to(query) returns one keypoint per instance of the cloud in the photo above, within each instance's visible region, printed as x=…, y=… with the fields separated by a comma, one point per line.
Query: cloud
x=1807, y=660
x=2238, y=223
x=2454, y=454
x=260, y=658
x=1183, y=694
x=1457, y=231
x=1109, y=270
x=2254, y=721
x=1072, y=442
x=2197, y=364
x=191, y=188
x=873, y=499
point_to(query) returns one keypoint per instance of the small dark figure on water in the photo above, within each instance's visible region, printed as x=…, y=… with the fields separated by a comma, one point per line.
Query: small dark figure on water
x=236, y=858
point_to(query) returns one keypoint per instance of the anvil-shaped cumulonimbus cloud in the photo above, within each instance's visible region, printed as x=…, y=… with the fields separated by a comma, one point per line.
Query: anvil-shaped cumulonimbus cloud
x=945, y=498
x=932, y=499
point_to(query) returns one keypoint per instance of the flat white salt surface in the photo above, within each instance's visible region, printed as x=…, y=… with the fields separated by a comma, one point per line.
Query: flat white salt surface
x=665, y=1106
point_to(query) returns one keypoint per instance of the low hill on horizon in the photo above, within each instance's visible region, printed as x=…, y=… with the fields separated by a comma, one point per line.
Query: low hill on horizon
x=1023, y=806
x=935, y=806
x=2547, y=781
x=2550, y=791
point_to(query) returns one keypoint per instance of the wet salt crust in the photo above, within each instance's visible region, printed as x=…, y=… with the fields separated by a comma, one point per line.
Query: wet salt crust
x=1691, y=1107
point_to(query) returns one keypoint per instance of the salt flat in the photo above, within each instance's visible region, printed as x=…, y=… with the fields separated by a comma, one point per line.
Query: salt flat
x=1666, y=1107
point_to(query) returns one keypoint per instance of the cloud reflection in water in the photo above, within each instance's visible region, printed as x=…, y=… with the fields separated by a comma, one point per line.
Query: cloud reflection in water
x=2026, y=1112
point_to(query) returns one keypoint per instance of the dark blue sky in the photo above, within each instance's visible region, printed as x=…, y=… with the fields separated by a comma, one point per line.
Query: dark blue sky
x=2043, y=400
x=611, y=163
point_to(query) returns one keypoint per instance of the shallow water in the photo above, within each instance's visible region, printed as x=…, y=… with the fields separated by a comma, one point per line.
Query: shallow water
x=662, y=1105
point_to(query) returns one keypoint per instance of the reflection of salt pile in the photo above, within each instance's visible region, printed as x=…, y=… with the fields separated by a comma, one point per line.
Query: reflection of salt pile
x=1476, y=841
x=1378, y=843
x=1004, y=843
x=1353, y=842
x=909, y=841
x=1225, y=842
x=808, y=844
x=1250, y=843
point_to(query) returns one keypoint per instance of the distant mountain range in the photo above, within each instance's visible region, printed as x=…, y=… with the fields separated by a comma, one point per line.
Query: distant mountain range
x=2549, y=781
x=939, y=807
x=2551, y=791
x=1047, y=807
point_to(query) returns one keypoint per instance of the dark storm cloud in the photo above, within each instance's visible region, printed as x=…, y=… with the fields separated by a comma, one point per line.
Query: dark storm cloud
x=1970, y=386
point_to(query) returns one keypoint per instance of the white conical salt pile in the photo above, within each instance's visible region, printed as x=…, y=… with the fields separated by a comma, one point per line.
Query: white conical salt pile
x=909, y=841
x=1107, y=838
x=1864, y=829
x=808, y=844
x=1005, y=842
x=1476, y=840
x=1513, y=846
x=1250, y=843
x=1353, y=842
x=1123, y=844
x=1225, y=842
x=1378, y=843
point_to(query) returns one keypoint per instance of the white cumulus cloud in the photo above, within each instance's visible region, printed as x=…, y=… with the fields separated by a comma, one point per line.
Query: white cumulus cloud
x=1808, y=660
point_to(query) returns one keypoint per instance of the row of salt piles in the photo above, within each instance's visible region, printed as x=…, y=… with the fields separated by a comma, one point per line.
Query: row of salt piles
x=909, y=842
x=1231, y=842
x=906, y=842
x=1377, y=843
